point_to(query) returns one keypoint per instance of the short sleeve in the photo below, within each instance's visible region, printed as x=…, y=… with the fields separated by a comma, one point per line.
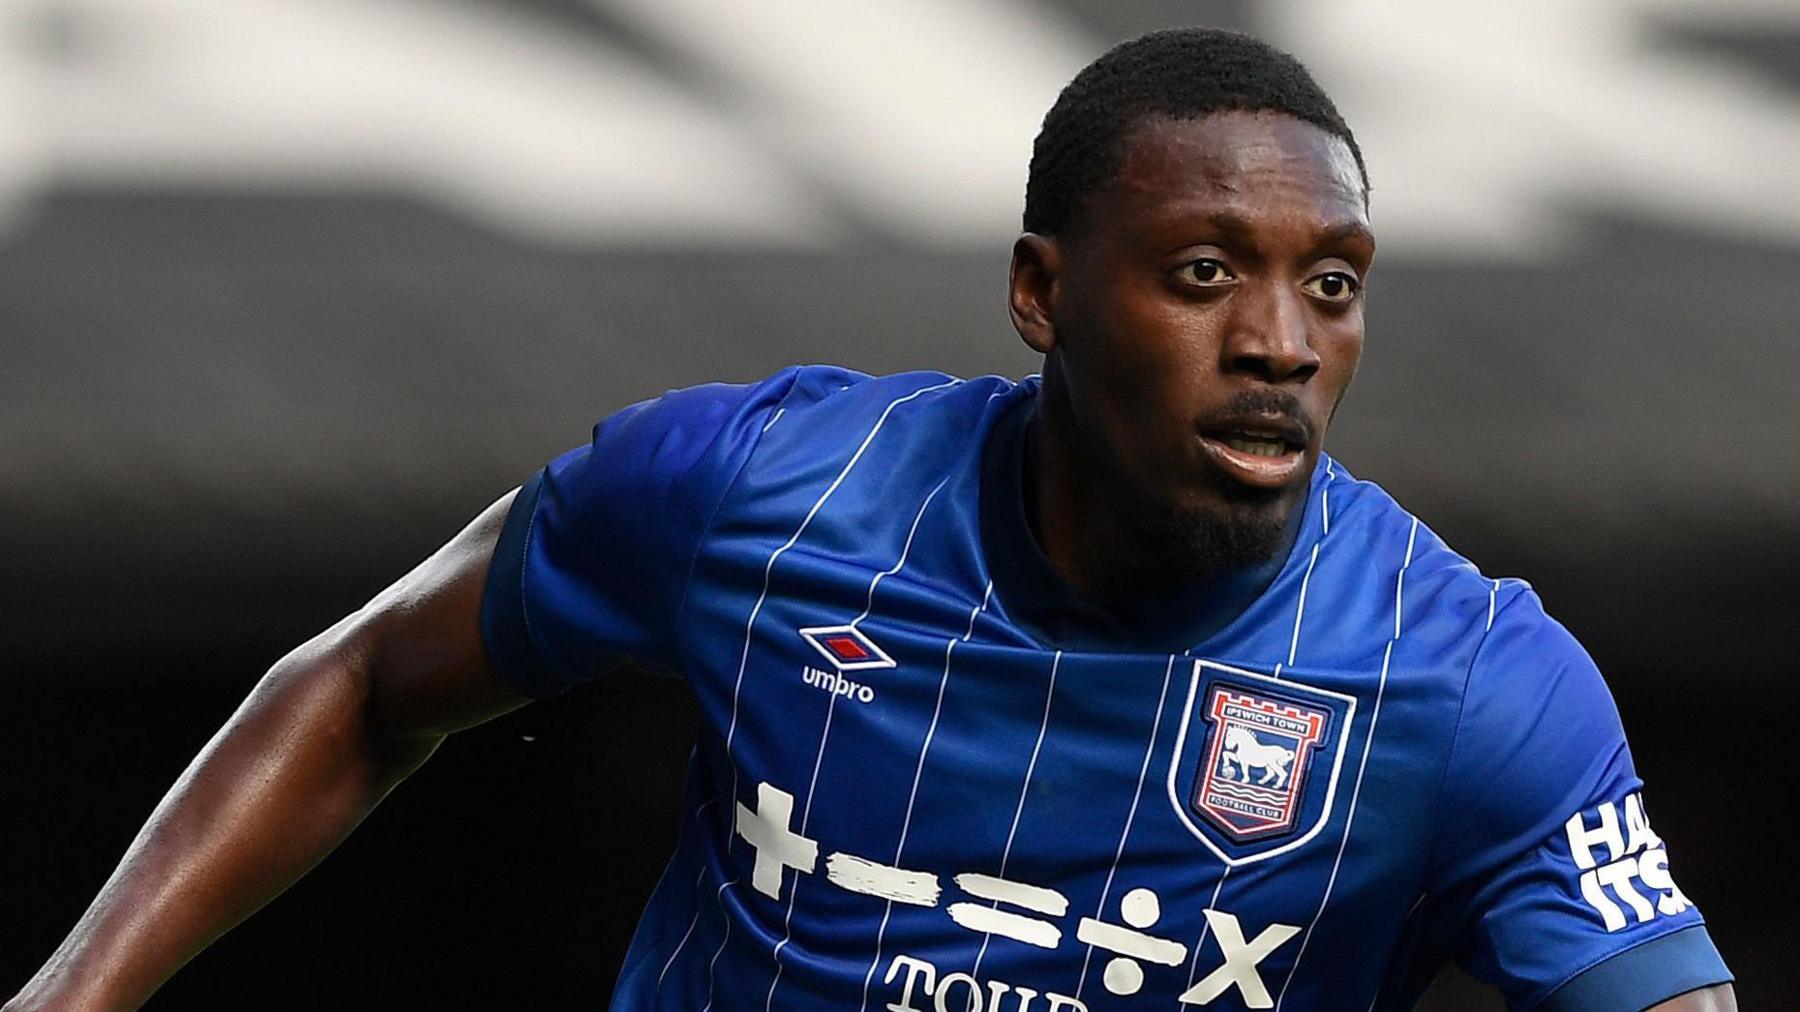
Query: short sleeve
x=1547, y=878
x=591, y=568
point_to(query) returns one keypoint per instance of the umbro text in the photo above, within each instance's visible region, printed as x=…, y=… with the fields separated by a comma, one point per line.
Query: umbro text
x=832, y=682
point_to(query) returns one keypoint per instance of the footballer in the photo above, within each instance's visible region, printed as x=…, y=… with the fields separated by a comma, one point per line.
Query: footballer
x=1102, y=689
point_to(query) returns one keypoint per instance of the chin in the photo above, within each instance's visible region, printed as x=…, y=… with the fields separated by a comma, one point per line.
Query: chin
x=1196, y=541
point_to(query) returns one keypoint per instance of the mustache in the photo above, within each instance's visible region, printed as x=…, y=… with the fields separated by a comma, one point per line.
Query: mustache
x=1274, y=404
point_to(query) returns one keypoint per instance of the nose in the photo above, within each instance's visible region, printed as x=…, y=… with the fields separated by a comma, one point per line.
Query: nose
x=1267, y=335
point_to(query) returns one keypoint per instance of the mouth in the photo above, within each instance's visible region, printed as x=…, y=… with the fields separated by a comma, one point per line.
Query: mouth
x=1265, y=453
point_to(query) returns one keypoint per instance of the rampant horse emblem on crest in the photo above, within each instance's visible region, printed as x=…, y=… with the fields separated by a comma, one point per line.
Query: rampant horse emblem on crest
x=1243, y=750
x=1255, y=762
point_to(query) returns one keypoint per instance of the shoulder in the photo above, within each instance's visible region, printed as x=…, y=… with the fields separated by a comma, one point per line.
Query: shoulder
x=774, y=443
x=824, y=392
x=723, y=422
x=1439, y=593
x=830, y=416
x=702, y=436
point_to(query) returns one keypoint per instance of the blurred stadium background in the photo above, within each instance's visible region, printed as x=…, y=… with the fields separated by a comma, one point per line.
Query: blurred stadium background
x=289, y=289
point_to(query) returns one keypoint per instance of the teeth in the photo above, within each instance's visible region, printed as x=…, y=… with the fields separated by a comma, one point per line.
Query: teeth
x=1256, y=447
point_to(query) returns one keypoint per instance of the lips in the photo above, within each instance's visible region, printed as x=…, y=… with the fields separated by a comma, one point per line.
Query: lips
x=1260, y=451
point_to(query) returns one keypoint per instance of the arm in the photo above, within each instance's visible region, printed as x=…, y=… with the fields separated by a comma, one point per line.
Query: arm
x=320, y=741
x=1718, y=998
x=1552, y=880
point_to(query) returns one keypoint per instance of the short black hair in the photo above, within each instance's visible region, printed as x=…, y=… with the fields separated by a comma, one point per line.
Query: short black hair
x=1183, y=73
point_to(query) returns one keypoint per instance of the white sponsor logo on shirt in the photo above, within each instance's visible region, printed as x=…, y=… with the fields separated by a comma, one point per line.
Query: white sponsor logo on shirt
x=1619, y=857
x=1034, y=915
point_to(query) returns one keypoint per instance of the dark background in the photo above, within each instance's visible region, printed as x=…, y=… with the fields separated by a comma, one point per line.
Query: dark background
x=232, y=411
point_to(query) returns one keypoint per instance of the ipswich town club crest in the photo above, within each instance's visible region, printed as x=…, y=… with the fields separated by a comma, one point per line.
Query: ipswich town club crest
x=1257, y=760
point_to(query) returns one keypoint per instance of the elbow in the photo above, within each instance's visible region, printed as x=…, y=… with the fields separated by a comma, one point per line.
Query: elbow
x=379, y=675
x=333, y=693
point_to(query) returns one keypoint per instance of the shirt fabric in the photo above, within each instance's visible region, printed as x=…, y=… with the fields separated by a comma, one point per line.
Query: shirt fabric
x=929, y=776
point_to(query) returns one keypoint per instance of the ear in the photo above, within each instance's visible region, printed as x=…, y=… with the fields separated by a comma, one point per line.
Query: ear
x=1031, y=290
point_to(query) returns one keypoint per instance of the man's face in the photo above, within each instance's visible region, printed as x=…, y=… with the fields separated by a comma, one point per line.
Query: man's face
x=1207, y=318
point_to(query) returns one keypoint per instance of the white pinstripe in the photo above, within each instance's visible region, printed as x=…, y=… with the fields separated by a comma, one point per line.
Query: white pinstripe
x=1362, y=766
x=869, y=605
x=787, y=925
x=1325, y=498
x=692, y=921
x=787, y=922
x=1205, y=926
x=1313, y=560
x=724, y=937
x=750, y=624
x=918, y=772
x=985, y=596
x=1300, y=610
x=1119, y=852
x=685, y=935
x=1019, y=810
x=1400, y=580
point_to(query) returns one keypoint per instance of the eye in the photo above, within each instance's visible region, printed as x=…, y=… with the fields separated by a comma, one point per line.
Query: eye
x=1205, y=271
x=1332, y=286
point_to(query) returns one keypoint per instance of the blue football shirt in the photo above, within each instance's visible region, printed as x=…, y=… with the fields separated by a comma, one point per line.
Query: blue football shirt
x=931, y=777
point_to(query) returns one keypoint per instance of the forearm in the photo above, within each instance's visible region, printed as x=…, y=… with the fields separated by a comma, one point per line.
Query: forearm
x=322, y=738
x=293, y=771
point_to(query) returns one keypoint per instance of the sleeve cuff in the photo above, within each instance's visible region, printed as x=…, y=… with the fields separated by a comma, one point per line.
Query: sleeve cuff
x=1660, y=969
x=504, y=629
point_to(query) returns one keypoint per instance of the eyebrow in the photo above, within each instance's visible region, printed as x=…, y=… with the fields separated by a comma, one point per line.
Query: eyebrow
x=1238, y=226
x=1346, y=231
x=1230, y=223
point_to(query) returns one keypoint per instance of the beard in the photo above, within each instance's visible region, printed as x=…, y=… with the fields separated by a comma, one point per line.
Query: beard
x=1188, y=543
x=1234, y=527
x=1162, y=538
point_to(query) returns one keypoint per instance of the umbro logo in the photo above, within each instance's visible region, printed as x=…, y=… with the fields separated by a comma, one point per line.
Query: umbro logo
x=846, y=647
